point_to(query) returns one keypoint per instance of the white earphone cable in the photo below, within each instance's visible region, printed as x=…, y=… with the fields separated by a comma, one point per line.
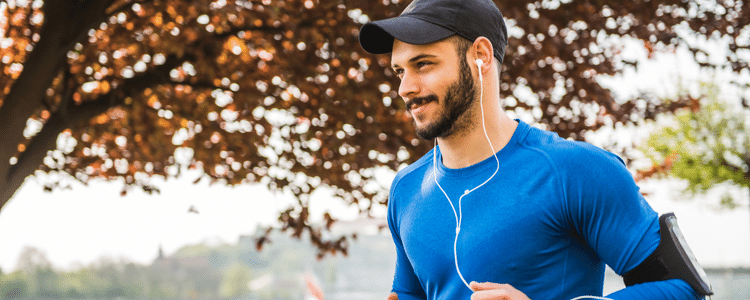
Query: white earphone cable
x=459, y=215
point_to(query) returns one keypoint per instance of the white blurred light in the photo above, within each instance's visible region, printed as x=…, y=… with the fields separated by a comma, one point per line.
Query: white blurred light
x=159, y=59
x=121, y=141
x=32, y=128
x=203, y=19
x=127, y=72
x=222, y=98
x=180, y=137
x=140, y=66
x=90, y=86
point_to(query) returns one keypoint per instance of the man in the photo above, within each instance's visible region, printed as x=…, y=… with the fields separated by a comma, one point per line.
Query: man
x=524, y=212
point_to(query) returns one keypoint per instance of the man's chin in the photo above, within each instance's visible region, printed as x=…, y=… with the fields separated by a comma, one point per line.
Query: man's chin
x=422, y=130
x=432, y=131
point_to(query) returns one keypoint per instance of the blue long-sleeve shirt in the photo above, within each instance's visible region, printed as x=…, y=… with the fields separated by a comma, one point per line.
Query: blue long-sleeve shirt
x=547, y=223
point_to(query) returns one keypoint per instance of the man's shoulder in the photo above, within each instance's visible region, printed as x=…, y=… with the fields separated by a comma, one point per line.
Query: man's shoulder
x=417, y=168
x=567, y=153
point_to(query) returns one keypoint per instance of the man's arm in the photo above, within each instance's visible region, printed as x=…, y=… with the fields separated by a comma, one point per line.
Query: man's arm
x=610, y=214
x=668, y=289
x=405, y=281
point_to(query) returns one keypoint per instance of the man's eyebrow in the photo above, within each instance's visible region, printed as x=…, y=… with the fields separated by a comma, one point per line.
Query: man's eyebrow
x=416, y=58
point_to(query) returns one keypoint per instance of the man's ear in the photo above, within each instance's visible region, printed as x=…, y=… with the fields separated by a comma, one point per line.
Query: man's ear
x=482, y=49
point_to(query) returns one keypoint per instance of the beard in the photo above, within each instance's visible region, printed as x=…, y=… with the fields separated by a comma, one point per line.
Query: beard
x=459, y=97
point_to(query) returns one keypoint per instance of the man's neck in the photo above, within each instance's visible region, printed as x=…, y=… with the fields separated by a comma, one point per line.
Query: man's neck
x=467, y=148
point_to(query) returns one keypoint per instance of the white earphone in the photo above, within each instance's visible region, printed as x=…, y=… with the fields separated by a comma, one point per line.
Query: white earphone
x=479, y=63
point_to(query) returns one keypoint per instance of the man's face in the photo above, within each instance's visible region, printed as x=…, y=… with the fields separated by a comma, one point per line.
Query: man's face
x=437, y=86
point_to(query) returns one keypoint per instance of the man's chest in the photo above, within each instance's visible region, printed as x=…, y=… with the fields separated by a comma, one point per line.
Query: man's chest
x=508, y=234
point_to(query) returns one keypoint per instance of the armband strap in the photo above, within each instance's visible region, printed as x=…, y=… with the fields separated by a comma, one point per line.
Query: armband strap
x=672, y=259
x=651, y=269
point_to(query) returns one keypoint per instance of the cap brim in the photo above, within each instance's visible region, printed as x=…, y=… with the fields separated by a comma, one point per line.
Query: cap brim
x=377, y=37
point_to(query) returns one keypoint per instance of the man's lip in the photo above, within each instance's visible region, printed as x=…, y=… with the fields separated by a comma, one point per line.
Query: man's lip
x=421, y=102
x=416, y=109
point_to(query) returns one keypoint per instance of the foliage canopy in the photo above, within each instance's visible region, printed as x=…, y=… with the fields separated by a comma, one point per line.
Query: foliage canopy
x=706, y=146
x=280, y=93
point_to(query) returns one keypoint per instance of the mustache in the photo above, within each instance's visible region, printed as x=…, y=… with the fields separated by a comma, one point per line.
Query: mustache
x=421, y=100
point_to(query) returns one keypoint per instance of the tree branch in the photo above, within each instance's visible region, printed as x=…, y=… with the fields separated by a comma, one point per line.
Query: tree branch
x=30, y=160
x=237, y=30
x=731, y=167
x=69, y=90
x=199, y=85
x=270, y=29
x=130, y=87
x=125, y=7
x=91, y=11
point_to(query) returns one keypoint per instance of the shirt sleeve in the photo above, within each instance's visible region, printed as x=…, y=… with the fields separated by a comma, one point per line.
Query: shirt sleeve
x=608, y=211
x=405, y=281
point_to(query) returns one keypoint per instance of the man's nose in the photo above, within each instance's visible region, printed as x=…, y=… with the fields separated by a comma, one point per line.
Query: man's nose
x=409, y=86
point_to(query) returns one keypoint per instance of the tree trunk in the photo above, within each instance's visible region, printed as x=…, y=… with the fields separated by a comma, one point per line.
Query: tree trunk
x=66, y=23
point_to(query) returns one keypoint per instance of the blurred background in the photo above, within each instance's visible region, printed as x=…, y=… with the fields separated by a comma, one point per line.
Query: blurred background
x=244, y=149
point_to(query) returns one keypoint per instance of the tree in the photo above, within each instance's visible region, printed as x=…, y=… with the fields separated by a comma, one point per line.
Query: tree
x=234, y=281
x=706, y=146
x=14, y=286
x=280, y=93
x=42, y=278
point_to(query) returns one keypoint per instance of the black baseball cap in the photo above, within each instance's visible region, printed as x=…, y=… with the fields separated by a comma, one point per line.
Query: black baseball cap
x=427, y=21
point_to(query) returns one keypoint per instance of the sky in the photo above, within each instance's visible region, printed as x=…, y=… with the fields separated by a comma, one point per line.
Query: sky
x=79, y=226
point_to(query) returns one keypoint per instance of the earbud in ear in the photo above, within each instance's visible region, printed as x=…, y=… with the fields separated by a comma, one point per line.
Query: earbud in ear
x=479, y=62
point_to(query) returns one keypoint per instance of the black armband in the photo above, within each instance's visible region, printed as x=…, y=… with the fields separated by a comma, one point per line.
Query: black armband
x=671, y=260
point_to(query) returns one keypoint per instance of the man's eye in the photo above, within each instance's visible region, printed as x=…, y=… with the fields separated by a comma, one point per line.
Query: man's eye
x=422, y=64
x=399, y=73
